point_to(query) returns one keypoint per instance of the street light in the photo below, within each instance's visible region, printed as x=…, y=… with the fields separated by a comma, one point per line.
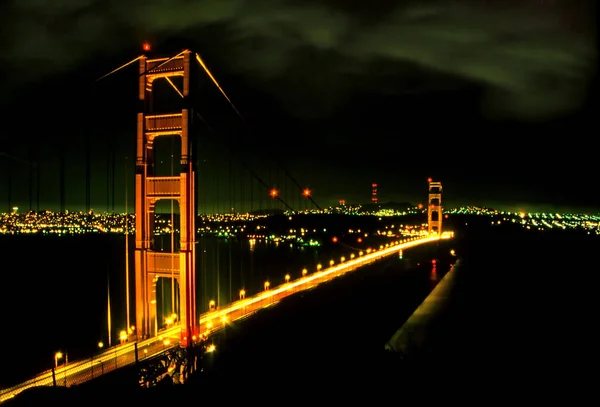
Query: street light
x=100, y=345
x=267, y=285
x=123, y=336
x=304, y=272
x=331, y=263
x=57, y=356
x=242, y=294
x=287, y=278
x=212, y=305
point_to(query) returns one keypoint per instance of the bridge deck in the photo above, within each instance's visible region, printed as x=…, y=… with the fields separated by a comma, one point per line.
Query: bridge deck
x=124, y=354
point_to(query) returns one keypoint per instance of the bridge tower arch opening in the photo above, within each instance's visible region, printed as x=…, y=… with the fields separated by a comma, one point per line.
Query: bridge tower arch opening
x=434, y=207
x=150, y=263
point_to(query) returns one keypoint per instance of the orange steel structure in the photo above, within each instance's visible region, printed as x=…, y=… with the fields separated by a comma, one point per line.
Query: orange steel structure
x=149, y=264
x=434, y=211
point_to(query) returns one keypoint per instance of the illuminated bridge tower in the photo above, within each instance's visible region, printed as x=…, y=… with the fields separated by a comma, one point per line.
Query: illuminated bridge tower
x=149, y=264
x=434, y=211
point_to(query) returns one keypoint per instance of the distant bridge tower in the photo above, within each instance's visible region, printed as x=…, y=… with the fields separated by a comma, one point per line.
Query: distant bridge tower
x=434, y=209
x=149, y=264
x=374, y=198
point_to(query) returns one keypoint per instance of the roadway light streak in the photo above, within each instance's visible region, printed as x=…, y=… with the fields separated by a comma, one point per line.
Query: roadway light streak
x=340, y=268
x=124, y=354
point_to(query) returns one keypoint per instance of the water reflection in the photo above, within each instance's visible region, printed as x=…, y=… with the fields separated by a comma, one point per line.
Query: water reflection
x=433, y=274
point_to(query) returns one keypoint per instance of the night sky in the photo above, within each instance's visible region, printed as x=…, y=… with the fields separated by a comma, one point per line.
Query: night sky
x=495, y=98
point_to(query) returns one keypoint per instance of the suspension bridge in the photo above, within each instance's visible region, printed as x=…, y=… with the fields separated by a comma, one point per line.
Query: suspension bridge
x=173, y=183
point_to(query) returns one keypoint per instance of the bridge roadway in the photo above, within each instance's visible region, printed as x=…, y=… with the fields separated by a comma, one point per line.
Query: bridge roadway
x=78, y=372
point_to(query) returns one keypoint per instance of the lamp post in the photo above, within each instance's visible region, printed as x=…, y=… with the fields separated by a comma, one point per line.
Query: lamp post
x=57, y=356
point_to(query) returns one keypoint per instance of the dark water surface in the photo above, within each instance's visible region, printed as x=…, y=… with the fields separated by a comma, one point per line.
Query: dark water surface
x=523, y=319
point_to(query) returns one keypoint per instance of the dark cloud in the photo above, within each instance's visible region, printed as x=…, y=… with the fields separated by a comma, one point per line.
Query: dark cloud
x=532, y=58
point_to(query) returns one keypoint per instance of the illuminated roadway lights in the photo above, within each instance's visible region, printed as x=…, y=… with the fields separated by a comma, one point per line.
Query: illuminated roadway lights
x=287, y=278
x=267, y=285
x=154, y=345
x=242, y=294
x=304, y=272
x=212, y=305
x=57, y=357
x=330, y=271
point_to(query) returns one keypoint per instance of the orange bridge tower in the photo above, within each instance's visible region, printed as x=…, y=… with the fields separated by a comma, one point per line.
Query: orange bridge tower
x=150, y=265
x=434, y=207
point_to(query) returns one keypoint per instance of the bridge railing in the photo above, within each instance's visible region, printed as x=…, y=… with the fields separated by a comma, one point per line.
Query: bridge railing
x=82, y=371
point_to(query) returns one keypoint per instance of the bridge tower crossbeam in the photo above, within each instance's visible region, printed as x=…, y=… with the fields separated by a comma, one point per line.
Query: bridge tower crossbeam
x=149, y=264
x=434, y=207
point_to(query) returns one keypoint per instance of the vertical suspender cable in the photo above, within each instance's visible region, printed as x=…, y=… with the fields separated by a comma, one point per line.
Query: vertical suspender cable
x=172, y=238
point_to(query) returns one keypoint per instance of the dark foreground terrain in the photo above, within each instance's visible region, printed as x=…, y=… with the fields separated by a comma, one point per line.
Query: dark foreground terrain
x=518, y=328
